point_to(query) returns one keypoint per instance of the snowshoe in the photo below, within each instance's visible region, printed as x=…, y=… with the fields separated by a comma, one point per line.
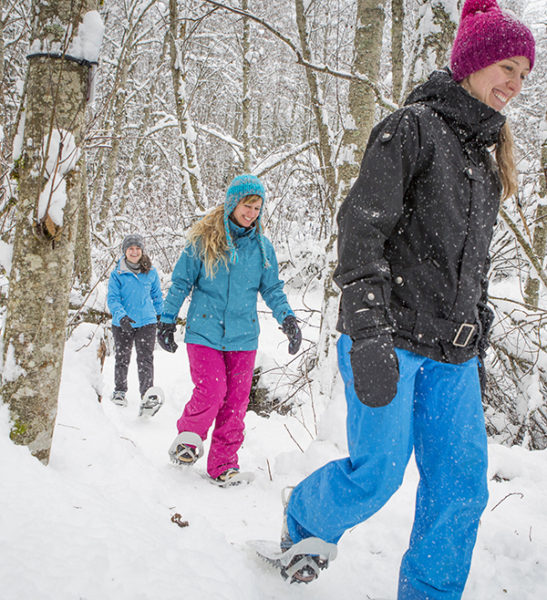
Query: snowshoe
x=186, y=448
x=119, y=398
x=301, y=562
x=231, y=477
x=151, y=402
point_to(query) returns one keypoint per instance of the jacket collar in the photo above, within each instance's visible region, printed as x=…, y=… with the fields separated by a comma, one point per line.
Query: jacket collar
x=123, y=268
x=239, y=232
x=469, y=118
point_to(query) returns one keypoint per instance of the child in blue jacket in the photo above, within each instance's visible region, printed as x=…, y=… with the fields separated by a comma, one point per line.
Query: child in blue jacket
x=226, y=263
x=135, y=301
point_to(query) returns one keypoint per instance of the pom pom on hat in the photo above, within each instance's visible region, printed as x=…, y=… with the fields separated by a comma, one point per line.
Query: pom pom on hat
x=242, y=186
x=486, y=35
x=133, y=239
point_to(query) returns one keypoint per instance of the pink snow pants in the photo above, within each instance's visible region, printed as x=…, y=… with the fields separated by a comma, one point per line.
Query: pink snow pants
x=222, y=382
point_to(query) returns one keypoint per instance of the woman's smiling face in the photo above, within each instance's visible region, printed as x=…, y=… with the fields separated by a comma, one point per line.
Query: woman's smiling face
x=247, y=211
x=498, y=83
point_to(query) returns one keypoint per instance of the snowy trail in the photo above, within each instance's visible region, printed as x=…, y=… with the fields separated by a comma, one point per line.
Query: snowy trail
x=96, y=523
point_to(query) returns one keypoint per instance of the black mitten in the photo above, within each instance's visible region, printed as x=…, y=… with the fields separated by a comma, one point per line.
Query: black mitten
x=166, y=336
x=375, y=369
x=125, y=324
x=290, y=328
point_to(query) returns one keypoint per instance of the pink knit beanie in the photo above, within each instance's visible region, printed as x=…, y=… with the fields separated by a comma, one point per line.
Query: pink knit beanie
x=487, y=35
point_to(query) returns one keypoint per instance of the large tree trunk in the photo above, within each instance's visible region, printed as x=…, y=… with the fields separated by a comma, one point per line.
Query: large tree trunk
x=43, y=254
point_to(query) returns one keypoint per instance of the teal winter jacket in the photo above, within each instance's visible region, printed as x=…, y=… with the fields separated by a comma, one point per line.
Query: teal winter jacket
x=222, y=313
x=136, y=295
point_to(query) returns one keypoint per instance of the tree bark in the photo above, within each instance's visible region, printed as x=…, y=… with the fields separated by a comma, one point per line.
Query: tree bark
x=82, y=249
x=193, y=184
x=397, y=54
x=41, y=274
x=367, y=48
x=539, y=243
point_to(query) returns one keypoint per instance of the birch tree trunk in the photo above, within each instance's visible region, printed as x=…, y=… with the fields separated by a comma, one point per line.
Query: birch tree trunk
x=193, y=186
x=42, y=265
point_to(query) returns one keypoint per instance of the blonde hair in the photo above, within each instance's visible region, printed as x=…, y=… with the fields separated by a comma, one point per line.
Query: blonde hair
x=208, y=238
x=505, y=158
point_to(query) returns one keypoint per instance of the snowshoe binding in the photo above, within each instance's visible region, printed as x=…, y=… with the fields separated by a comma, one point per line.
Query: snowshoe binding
x=301, y=562
x=151, y=402
x=119, y=398
x=186, y=448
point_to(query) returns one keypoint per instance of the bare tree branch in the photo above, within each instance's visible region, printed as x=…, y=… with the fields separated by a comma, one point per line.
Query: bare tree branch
x=382, y=100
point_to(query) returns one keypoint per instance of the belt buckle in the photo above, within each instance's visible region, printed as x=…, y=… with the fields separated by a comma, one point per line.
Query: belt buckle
x=463, y=332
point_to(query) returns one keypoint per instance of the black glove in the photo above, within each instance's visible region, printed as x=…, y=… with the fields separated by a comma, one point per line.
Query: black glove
x=166, y=336
x=375, y=369
x=125, y=324
x=290, y=328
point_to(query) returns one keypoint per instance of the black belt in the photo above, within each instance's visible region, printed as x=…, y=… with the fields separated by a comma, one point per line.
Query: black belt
x=459, y=334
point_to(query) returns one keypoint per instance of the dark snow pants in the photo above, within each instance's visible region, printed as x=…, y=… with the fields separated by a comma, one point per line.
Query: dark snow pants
x=144, y=339
x=437, y=413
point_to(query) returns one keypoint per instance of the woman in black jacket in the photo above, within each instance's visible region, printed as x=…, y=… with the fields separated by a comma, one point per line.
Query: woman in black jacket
x=413, y=243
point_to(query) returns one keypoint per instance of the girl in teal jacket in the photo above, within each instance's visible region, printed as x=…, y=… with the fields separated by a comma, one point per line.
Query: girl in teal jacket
x=226, y=263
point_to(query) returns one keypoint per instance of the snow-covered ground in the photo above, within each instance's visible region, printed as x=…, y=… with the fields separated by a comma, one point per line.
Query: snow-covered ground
x=96, y=523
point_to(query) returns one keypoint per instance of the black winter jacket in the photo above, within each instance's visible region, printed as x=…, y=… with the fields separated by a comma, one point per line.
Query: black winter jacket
x=415, y=229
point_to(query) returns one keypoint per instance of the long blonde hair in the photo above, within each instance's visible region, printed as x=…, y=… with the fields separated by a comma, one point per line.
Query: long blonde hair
x=505, y=158
x=208, y=238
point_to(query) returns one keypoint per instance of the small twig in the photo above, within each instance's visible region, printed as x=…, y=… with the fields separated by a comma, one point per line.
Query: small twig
x=503, y=499
x=69, y=426
x=292, y=438
x=129, y=440
x=269, y=470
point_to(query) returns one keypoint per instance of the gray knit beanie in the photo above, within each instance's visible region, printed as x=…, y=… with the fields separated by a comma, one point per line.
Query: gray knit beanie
x=133, y=239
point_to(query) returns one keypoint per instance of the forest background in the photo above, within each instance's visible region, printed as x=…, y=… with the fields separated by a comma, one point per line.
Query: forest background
x=133, y=116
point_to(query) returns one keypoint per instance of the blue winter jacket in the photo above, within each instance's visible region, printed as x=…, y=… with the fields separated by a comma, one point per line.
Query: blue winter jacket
x=222, y=313
x=136, y=295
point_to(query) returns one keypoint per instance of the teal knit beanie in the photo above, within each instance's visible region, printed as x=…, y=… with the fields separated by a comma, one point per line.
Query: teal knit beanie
x=241, y=186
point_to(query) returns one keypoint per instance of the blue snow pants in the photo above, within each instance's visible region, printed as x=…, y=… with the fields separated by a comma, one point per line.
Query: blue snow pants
x=437, y=412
